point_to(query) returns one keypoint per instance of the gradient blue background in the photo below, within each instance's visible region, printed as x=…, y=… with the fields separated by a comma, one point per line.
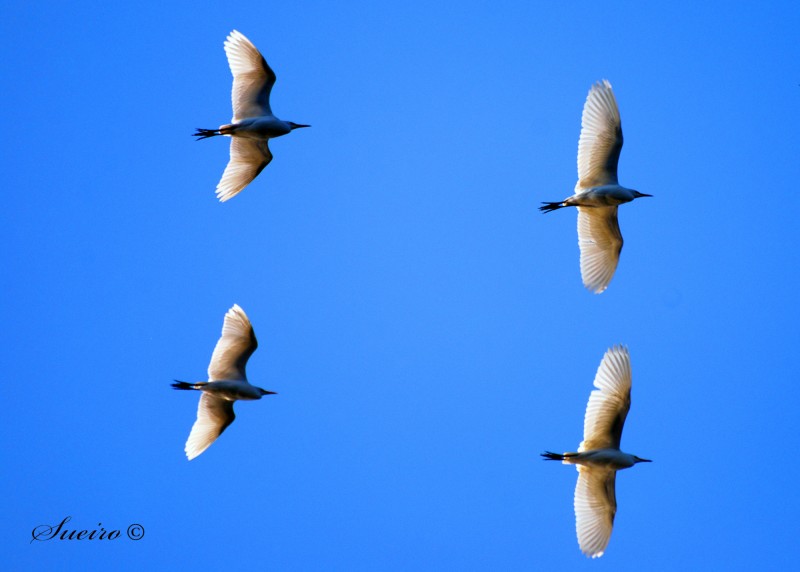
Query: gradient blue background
x=424, y=325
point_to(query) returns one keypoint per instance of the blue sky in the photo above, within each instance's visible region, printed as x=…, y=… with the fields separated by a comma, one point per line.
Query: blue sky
x=424, y=325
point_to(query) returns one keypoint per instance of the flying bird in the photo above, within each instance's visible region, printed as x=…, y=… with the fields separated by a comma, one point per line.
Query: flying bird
x=599, y=458
x=597, y=192
x=226, y=383
x=253, y=123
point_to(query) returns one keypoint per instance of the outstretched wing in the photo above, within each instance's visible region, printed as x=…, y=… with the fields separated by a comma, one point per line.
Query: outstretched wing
x=600, y=241
x=213, y=416
x=601, y=138
x=248, y=159
x=252, y=78
x=595, y=507
x=234, y=348
x=608, y=404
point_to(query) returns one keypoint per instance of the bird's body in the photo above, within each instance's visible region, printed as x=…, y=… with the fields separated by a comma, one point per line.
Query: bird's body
x=599, y=457
x=229, y=390
x=258, y=128
x=597, y=192
x=227, y=382
x=253, y=123
x=596, y=197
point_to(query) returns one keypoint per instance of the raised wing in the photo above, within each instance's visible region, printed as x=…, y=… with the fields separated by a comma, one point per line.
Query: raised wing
x=601, y=138
x=608, y=404
x=234, y=348
x=600, y=242
x=213, y=416
x=248, y=159
x=252, y=78
x=595, y=507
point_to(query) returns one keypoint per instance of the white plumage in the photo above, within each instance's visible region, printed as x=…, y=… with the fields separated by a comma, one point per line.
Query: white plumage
x=227, y=382
x=597, y=192
x=252, y=78
x=599, y=457
x=253, y=123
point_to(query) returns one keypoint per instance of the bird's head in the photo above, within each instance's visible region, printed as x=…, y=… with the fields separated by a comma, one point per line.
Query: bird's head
x=265, y=392
x=639, y=459
x=638, y=195
x=296, y=125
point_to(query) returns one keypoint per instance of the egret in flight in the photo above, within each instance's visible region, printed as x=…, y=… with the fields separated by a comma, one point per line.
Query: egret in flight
x=599, y=458
x=253, y=123
x=226, y=383
x=597, y=192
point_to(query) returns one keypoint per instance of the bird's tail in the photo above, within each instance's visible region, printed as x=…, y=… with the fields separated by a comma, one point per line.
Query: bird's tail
x=186, y=385
x=205, y=133
x=548, y=456
x=551, y=207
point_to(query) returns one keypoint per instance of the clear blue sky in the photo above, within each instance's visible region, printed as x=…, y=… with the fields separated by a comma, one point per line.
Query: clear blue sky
x=424, y=325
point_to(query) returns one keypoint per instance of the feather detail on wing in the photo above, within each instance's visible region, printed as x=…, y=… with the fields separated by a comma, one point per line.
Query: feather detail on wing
x=248, y=159
x=234, y=348
x=608, y=404
x=600, y=142
x=252, y=78
x=595, y=507
x=213, y=416
x=600, y=241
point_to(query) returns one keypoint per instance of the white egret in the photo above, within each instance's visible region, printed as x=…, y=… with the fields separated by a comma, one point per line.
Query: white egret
x=599, y=458
x=597, y=192
x=253, y=123
x=226, y=383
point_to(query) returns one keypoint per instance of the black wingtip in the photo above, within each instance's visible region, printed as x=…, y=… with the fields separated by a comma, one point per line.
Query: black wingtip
x=549, y=456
